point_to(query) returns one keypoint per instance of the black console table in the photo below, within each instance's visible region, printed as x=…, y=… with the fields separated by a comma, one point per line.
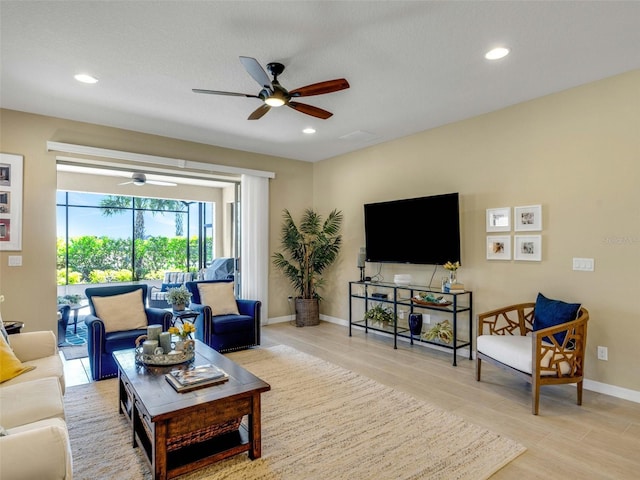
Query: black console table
x=395, y=295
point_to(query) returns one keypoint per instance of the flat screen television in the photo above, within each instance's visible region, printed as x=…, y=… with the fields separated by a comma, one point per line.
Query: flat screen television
x=423, y=230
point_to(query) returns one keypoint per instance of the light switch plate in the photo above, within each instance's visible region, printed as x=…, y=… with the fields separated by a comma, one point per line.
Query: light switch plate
x=583, y=264
x=15, y=260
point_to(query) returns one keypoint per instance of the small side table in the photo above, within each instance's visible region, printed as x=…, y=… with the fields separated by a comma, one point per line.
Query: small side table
x=75, y=308
x=13, y=327
x=182, y=315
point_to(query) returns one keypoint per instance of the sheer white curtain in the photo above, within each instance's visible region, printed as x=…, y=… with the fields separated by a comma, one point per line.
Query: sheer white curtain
x=254, y=242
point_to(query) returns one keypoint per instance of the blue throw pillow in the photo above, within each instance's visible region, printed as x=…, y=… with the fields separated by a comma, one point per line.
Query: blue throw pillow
x=167, y=286
x=549, y=313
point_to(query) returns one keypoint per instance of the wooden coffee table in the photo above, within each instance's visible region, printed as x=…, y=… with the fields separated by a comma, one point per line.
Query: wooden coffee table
x=182, y=432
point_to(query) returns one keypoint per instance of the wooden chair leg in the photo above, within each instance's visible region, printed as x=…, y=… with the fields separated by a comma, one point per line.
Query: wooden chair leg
x=535, y=393
x=478, y=369
x=579, y=390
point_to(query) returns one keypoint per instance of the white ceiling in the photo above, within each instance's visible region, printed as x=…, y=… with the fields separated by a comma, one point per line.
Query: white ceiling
x=412, y=65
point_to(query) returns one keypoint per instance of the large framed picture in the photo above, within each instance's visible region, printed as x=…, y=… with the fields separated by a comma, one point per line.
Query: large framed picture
x=499, y=247
x=10, y=202
x=528, y=247
x=528, y=218
x=499, y=219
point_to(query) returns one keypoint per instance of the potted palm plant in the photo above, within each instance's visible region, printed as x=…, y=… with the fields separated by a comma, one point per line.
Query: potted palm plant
x=310, y=247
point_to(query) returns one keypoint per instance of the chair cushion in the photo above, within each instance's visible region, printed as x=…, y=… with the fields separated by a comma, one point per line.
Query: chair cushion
x=167, y=286
x=515, y=351
x=28, y=402
x=10, y=365
x=232, y=323
x=121, y=312
x=549, y=313
x=220, y=297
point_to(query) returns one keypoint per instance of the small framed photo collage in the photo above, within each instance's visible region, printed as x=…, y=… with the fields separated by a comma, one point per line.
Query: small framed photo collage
x=525, y=247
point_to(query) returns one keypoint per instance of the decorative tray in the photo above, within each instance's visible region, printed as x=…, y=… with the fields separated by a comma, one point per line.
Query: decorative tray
x=175, y=357
x=431, y=304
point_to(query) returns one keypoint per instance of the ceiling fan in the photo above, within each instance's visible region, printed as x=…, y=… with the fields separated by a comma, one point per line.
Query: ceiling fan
x=275, y=95
x=140, y=179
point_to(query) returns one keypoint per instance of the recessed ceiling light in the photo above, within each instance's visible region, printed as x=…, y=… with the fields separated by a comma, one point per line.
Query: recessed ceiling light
x=309, y=130
x=84, y=78
x=496, y=53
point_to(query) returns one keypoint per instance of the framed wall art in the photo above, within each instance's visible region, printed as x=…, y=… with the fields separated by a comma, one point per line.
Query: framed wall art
x=527, y=219
x=528, y=247
x=499, y=247
x=10, y=202
x=499, y=219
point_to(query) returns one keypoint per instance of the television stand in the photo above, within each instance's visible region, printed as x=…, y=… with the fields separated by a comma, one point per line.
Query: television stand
x=371, y=293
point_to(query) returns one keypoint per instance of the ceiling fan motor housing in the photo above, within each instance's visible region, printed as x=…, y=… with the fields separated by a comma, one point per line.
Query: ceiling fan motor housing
x=139, y=179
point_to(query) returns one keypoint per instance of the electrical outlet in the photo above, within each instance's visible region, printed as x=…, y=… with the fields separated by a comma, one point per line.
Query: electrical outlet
x=603, y=353
x=426, y=319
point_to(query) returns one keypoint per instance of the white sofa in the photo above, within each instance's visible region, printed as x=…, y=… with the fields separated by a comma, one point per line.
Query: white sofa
x=36, y=441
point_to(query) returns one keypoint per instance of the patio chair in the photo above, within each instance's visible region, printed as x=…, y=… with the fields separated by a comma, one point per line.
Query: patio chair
x=158, y=295
x=118, y=316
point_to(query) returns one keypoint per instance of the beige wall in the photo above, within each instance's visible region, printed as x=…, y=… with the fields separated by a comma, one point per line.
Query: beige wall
x=30, y=290
x=576, y=153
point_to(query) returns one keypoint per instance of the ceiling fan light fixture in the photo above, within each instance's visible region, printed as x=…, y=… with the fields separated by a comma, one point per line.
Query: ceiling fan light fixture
x=274, y=101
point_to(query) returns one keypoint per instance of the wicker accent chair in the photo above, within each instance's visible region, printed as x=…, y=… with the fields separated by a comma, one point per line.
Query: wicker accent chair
x=554, y=355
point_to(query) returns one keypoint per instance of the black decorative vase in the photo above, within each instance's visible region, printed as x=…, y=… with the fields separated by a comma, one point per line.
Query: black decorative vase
x=415, y=323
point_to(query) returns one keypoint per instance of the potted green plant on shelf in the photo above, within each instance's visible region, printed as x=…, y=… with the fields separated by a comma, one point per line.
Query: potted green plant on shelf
x=441, y=331
x=310, y=247
x=178, y=297
x=380, y=314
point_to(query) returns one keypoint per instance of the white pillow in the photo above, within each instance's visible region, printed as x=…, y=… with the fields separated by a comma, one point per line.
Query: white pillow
x=220, y=297
x=121, y=312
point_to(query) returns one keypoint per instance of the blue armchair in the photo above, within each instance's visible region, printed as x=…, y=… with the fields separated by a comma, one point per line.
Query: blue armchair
x=225, y=332
x=109, y=334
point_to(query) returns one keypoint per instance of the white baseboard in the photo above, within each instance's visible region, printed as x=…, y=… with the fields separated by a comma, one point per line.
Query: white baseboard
x=614, y=391
x=592, y=385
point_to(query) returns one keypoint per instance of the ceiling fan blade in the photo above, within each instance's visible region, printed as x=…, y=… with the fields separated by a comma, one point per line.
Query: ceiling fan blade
x=217, y=92
x=310, y=110
x=320, y=88
x=252, y=66
x=162, y=184
x=259, y=112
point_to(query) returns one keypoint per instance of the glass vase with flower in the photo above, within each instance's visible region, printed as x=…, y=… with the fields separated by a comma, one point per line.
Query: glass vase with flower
x=183, y=332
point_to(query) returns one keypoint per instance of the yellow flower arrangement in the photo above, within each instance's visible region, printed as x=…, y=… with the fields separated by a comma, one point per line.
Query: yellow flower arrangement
x=452, y=267
x=185, y=332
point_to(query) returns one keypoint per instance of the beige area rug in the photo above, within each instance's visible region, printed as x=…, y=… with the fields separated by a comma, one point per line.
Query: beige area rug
x=320, y=421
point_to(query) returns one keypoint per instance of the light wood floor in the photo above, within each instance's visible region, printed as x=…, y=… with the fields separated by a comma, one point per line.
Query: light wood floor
x=598, y=440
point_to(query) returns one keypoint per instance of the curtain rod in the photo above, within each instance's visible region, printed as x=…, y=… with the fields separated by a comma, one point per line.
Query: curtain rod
x=153, y=159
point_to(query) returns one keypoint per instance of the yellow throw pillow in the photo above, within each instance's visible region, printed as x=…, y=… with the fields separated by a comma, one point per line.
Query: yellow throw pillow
x=121, y=312
x=220, y=297
x=10, y=365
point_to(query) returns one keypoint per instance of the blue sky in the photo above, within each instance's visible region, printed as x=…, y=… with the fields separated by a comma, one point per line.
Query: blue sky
x=91, y=221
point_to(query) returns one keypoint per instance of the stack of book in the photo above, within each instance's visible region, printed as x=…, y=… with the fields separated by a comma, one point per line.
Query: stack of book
x=456, y=287
x=196, y=377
